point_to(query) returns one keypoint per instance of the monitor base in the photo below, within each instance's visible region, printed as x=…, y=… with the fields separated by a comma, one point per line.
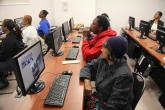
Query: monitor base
x=142, y=37
x=59, y=53
x=37, y=87
x=160, y=51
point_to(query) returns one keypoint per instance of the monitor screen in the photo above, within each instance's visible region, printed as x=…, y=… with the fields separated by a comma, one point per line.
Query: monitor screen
x=144, y=27
x=160, y=36
x=19, y=22
x=131, y=22
x=57, y=38
x=71, y=23
x=30, y=65
x=65, y=30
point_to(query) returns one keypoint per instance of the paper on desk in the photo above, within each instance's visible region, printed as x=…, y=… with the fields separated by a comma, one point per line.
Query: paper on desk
x=70, y=61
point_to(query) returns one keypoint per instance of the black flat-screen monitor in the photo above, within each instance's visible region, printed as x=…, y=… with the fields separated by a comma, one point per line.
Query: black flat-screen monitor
x=71, y=23
x=57, y=42
x=65, y=30
x=19, y=22
x=131, y=22
x=144, y=28
x=29, y=66
x=160, y=36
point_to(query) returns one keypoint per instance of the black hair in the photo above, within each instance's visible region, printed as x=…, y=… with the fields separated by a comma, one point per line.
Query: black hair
x=103, y=22
x=45, y=12
x=9, y=23
x=160, y=13
x=11, y=26
x=105, y=14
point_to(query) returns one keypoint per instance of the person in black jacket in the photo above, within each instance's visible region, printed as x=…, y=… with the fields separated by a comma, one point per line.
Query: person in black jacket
x=112, y=76
x=155, y=23
x=11, y=44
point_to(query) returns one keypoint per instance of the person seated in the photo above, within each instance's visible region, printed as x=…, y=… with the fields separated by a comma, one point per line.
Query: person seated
x=30, y=35
x=5, y=66
x=44, y=26
x=154, y=24
x=112, y=76
x=10, y=45
x=91, y=49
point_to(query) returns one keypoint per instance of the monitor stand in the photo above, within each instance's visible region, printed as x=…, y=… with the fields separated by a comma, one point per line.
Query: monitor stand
x=160, y=50
x=59, y=53
x=142, y=36
x=37, y=87
x=130, y=29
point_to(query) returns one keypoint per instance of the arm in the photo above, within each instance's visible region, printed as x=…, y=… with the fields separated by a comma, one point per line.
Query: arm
x=121, y=91
x=44, y=28
x=6, y=46
x=86, y=74
x=90, y=52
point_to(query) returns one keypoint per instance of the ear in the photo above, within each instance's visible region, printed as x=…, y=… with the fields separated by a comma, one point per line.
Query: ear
x=100, y=28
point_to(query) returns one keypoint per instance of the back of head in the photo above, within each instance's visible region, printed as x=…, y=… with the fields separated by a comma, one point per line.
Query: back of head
x=117, y=46
x=27, y=19
x=9, y=23
x=103, y=22
x=105, y=14
x=160, y=14
x=45, y=13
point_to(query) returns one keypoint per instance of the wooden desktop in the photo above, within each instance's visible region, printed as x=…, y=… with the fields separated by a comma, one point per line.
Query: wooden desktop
x=148, y=44
x=53, y=66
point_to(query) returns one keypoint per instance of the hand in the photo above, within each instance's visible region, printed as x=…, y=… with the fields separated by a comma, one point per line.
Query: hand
x=87, y=87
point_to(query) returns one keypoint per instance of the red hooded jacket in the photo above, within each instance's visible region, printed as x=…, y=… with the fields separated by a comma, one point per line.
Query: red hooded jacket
x=92, y=49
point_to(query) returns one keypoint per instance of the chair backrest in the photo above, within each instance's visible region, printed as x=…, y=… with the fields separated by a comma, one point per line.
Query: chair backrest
x=138, y=88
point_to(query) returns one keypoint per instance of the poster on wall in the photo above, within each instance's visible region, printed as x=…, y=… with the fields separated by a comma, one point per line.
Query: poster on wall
x=14, y=2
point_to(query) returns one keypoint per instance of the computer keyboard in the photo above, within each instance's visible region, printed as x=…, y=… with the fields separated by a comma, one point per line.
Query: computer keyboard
x=58, y=90
x=76, y=40
x=72, y=54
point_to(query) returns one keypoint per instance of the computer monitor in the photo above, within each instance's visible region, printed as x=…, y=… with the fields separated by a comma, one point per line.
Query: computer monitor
x=1, y=31
x=29, y=66
x=65, y=30
x=71, y=23
x=160, y=36
x=131, y=22
x=19, y=22
x=144, y=27
x=57, y=42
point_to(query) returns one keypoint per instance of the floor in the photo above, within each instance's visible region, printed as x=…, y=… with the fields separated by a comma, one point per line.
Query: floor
x=149, y=100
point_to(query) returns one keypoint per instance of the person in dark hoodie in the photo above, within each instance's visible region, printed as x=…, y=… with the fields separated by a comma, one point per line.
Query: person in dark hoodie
x=112, y=76
x=91, y=49
x=11, y=44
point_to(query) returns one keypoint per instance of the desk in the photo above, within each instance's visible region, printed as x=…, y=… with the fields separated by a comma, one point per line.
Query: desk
x=74, y=96
x=148, y=44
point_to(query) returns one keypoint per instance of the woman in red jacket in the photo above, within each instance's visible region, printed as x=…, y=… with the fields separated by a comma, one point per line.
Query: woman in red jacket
x=91, y=49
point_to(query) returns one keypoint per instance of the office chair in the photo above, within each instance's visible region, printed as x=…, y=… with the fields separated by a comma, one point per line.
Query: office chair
x=138, y=88
x=143, y=65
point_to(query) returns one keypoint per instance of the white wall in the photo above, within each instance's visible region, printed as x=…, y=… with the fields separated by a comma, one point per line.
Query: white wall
x=33, y=9
x=83, y=11
x=120, y=10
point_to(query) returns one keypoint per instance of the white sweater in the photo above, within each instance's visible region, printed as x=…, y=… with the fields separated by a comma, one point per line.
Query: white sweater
x=30, y=36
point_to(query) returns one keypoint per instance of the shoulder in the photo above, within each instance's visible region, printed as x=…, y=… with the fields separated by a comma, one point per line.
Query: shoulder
x=123, y=69
x=161, y=23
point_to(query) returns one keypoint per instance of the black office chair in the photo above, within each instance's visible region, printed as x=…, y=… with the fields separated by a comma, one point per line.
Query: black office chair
x=138, y=88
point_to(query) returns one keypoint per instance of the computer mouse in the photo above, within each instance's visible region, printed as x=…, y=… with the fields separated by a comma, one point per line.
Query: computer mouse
x=67, y=72
x=75, y=46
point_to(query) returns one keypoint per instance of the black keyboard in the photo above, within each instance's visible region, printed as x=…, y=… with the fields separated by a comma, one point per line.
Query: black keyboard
x=76, y=40
x=57, y=92
x=72, y=54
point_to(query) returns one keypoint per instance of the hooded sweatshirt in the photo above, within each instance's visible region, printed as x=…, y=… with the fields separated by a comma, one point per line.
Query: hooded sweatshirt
x=92, y=49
